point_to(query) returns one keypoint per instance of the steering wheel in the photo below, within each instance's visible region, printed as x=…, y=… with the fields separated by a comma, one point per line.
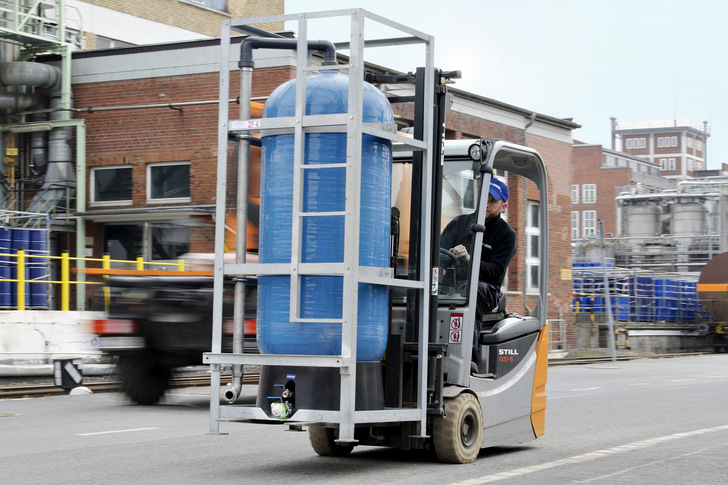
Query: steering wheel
x=453, y=259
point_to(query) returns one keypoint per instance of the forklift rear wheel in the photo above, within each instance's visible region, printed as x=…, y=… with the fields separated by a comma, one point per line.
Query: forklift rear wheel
x=323, y=442
x=457, y=435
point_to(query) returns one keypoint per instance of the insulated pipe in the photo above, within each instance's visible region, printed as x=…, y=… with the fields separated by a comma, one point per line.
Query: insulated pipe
x=250, y=43
x=18, y=101
x=58, y=163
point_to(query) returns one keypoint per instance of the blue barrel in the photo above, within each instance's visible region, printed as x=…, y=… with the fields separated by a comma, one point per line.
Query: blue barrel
x=322, y=237
x=20, y=239
x=5, y=285
x=38, y=270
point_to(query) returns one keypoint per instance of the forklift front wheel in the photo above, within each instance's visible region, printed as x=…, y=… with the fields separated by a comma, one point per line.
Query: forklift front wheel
x=457, y=435
x=323, y=442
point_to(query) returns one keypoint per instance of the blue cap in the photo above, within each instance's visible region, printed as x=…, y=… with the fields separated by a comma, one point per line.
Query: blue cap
x=498, y=190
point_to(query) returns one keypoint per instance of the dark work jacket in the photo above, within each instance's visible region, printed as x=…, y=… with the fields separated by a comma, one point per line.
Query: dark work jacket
x=499, y=245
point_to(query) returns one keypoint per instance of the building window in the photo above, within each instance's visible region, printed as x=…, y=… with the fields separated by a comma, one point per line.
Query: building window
x=108, y=43
x=589, y=195
x=168, y=182
x=590, y=223
x=660, y=142
x=575, y=194
x=157, y=241
x=533, y=248
x=673, y=141
x=629, y=143
x=691, y=165
x=690, y=142
x=111, y=185
x=663, y=164
x=574, y=225
x=671, y=164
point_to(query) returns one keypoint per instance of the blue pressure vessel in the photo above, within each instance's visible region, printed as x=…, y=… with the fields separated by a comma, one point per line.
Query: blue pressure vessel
x=322, y=236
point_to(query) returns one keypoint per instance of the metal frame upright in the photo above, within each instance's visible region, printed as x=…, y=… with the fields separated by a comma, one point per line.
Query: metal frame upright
x=351, y=123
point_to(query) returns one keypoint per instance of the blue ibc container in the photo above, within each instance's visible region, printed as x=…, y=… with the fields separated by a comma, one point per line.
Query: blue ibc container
x=38, y=268
x=20, y=239
x=666, y=292
x=5, y=249
x=322, y=237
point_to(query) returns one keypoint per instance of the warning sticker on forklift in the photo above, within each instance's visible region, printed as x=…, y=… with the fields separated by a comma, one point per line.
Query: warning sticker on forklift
x=456, y=325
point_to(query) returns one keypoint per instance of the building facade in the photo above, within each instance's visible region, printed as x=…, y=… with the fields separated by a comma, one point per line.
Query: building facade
x=678, y=146
x=599, y=175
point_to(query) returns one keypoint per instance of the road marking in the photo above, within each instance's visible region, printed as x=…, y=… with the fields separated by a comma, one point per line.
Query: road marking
x=656, y=462
x=594, y=455
x=587, y=389
x=680, y=380
x=116, y=431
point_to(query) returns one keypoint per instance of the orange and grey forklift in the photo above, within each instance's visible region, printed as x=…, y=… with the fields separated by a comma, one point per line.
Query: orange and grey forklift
x=364, y=324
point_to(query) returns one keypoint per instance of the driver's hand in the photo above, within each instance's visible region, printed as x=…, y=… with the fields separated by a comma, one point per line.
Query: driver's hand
x=460, y=252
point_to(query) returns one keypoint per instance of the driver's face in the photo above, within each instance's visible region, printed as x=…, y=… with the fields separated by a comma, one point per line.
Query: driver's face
x=495, y=207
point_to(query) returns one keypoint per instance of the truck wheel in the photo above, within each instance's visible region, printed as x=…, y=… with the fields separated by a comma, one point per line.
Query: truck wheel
x=323, y=442
x=143, y=380
x=457, y=436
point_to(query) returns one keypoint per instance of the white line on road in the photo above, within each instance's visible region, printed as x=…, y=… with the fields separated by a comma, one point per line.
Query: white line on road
x=574, y=460
x=115, y=431
x=587, y=389
x=664, y=460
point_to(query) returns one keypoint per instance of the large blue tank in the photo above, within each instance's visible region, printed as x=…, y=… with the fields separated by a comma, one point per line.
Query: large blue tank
x=322, y=237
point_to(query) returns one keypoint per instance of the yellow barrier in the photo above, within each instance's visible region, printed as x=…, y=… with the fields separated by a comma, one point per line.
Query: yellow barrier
x=139, y=265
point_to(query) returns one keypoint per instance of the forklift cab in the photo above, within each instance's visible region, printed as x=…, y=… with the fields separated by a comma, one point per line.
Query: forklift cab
x=505, y=338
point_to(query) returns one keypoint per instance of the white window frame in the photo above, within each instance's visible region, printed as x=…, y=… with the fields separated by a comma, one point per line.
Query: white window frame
x=671, y=164
x=575, y=193
x=589, y=219
x=575, y=216
x=589, y=194
x=533, y=237
x=165, y=200
x=660, y=142
x=673, y=141
x=92, y=187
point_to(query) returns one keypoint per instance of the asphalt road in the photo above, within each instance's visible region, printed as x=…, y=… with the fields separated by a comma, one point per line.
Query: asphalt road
x=659, y=421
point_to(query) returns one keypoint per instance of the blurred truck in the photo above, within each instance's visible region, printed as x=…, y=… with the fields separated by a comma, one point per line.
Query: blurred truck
x=155, y=324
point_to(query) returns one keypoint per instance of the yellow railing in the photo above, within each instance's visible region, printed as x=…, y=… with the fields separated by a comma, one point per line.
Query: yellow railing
x=20, y=259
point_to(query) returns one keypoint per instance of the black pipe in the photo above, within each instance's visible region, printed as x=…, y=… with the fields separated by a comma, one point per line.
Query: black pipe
x=250, y=43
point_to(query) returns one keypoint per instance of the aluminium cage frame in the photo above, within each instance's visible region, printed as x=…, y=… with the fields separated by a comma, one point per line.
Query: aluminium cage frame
x=351, y=123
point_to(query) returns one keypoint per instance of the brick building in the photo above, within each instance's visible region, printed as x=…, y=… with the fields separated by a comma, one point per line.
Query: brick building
x=678, y=146
x=598, y=175
x=138, y=22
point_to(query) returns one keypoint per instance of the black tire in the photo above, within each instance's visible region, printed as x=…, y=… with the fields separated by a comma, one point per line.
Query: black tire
x=457, y=436
x=323, y=442
x=143, y=380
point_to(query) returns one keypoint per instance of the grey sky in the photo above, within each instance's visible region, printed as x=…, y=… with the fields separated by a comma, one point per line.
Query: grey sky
x=586, y=60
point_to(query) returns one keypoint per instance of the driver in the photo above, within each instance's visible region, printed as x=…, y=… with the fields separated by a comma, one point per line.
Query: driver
x=499, y=246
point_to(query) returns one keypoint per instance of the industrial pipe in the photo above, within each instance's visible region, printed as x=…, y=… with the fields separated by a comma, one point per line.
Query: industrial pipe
x=250, y=43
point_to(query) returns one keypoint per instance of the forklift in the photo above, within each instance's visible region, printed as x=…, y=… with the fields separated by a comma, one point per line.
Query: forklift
x=365, y=324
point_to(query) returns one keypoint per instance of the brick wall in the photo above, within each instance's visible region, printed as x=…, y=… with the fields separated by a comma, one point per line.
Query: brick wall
x=138, y=137
x=189, y=16
x=587, y=169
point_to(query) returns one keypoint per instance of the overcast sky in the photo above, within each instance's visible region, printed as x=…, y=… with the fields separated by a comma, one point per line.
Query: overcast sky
x=587, y=60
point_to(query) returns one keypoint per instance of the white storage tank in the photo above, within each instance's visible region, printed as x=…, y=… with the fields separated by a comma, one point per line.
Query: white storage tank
x=688, y=218
x=642, y=219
